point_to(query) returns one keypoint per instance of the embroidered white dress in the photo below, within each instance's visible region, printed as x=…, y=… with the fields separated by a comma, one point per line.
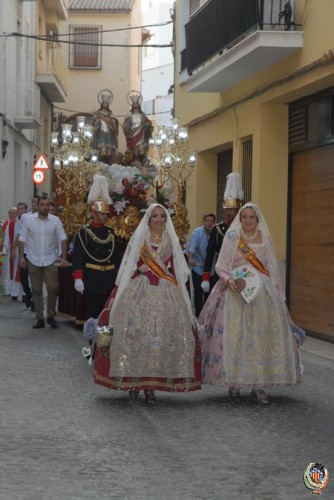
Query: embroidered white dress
x=248, y=345
x=154, y=344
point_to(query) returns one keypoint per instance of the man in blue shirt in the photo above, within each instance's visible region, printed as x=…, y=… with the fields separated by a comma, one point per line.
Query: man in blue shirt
x=196, y=255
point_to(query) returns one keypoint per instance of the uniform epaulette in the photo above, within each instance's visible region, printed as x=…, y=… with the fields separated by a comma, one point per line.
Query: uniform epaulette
x=221, y=228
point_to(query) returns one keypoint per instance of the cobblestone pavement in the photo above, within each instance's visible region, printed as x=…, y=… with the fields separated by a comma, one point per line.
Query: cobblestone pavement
x=63, y=437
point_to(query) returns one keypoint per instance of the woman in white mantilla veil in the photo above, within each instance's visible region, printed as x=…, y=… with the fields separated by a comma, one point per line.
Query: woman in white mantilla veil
x=248, y=338
x=154, y=344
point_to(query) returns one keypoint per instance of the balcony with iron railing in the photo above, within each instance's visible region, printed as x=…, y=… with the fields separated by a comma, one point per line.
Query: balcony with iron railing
x=27, y=105
x=52, y=73
x=228, y=41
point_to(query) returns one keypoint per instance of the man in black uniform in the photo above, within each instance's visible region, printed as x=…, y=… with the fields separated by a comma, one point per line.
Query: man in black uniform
x=233, y=197
x=97, y=252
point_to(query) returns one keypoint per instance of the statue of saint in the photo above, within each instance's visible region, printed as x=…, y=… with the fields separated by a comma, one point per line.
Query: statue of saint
x=137, y=127
x=129, y=159
x=105, y=127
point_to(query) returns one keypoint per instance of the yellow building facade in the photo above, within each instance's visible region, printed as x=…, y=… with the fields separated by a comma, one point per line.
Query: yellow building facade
x=262, y=106
x=110, y=60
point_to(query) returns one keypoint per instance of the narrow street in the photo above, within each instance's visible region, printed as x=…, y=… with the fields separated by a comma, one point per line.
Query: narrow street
x=63, y=437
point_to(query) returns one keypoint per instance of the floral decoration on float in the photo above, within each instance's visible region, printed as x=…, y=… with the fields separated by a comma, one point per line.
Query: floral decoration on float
x=130, y=200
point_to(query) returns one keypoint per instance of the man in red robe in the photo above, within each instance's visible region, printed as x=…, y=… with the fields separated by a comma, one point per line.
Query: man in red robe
x=11, y=275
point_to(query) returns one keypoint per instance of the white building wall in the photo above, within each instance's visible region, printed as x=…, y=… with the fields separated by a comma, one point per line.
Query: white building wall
x=158, y=63
x=17, y=68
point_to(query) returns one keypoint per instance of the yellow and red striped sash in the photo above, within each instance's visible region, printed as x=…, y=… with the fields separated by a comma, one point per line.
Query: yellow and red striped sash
x=250, y=256
x=153, y=265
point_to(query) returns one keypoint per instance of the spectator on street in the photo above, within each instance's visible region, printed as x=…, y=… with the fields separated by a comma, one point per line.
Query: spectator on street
x=41, y=233
x=53, y=208
x=60, y=211
x=196, y=255
x=34, y=205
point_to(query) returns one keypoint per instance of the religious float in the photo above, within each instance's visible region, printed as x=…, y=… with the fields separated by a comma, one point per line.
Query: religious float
x=153, y=168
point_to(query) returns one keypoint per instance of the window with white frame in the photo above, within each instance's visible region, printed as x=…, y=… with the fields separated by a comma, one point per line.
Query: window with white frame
x=85, y=47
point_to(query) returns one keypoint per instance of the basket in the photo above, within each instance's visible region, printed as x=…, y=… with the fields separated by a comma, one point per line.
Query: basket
x=104, y=336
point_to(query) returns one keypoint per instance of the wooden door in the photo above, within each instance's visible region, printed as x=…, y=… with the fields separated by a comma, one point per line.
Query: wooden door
x=311, y=283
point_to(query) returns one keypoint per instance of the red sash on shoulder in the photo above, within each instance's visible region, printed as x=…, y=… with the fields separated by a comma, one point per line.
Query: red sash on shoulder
x=154, y=266
x=11, y=227
x=250, y=256
x=4, y=226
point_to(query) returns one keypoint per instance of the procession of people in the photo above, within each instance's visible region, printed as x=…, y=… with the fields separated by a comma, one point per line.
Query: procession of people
x=145, y=332
x=157, y=318
x=147, y=337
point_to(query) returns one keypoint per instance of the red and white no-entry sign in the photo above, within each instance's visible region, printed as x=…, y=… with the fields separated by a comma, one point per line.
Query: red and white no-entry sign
x=38, y=176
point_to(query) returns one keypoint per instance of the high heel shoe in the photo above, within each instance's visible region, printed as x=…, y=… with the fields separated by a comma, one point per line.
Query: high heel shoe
x=150, y=397
x=133, y=394
x=260, y=396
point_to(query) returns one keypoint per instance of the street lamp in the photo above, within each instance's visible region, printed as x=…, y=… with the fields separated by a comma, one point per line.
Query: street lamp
x=170, y=149
x=74, y=162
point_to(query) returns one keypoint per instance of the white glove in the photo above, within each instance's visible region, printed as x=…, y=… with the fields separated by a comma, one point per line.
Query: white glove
x=79, y=285
x=205, y=285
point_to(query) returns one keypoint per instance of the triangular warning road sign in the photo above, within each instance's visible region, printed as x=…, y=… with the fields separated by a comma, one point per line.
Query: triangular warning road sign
x=41, y=162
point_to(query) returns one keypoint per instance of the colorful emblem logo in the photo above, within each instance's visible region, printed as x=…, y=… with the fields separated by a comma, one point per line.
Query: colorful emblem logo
x=316, y=477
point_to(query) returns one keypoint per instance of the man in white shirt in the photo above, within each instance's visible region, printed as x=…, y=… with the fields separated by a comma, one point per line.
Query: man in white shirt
x=41, y=233
x=27, y=297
